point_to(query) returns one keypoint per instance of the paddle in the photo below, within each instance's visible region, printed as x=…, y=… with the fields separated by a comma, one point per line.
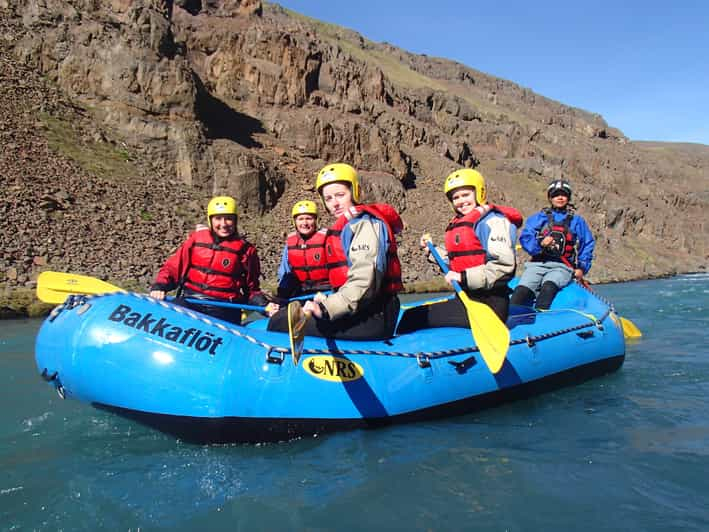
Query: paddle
x=630, y=330
x=491, y=335
x=297, y=320
x=55, y=287
x=225, y=304
x=416, y=304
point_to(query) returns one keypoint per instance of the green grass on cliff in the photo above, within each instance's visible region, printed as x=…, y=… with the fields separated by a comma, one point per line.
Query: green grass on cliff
x=396, y=71
x=21, y=303
x=349, y=41
x=101, y=159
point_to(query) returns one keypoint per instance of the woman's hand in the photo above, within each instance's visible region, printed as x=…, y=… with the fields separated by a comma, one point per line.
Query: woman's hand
x=311, y=307
x=423, y=243
x=452, y=276
x=157, y=294
x=271, y=308
x=319, y=297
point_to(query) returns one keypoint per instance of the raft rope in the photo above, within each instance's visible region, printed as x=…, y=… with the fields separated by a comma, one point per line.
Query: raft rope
x=422, y=356
x=595, y=294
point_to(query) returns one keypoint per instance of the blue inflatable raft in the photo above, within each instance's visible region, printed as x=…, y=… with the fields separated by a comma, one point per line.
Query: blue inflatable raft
x=204, y=380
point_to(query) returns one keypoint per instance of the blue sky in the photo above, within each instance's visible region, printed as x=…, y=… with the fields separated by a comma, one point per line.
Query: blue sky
x=642, y=65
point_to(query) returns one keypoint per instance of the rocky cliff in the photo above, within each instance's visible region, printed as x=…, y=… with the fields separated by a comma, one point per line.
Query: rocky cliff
x=119, y=119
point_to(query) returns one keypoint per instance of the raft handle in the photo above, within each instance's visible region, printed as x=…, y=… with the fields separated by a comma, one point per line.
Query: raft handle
x=463, y=365
x=83, y=308
x=530, y=341
x=55, y=312
x=47, y=377
x=271, y=359
x=585, y=334
x=54, y=378
x=423, y=360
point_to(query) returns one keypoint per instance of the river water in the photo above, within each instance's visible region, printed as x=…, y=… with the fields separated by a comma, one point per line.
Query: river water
x=629, y=451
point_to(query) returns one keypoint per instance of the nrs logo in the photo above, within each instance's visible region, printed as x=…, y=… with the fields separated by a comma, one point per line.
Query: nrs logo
x=334, y=369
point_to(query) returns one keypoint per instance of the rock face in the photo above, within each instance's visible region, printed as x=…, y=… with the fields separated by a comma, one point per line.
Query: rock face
x=204, y=97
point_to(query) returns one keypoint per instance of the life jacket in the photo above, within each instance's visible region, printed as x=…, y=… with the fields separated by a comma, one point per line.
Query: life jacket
x=215, y=268
x=337, y=264
x=564, y=248
x=462, y=243
x=307, y=259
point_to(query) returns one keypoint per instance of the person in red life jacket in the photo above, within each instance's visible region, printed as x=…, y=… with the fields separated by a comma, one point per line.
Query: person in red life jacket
x=561, y=246
x=479, y=247
x=214, y=263
x=362, y=261
x=303, y=268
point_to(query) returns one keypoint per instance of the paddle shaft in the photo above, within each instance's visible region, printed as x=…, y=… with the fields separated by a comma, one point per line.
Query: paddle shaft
x=241, y=306
x=224, y=304
x=308, y=297
x=442, y=265
x=407, y=306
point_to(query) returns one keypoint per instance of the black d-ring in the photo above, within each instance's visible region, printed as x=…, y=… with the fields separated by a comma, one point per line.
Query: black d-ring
x=49, y=378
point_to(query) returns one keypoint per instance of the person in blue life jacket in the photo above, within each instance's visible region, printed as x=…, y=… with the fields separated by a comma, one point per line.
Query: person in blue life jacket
x=362, y=263
x=561, y=246
x=479, y=248
x=303, y=268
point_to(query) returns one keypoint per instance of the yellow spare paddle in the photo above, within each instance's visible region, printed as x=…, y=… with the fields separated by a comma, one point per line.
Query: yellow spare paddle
x=55, y=287
x=630, y=330
x=297, y=320
x=491, y=335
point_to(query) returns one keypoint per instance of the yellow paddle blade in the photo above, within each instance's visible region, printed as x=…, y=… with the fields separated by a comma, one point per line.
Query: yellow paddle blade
x=491, y=335
x=297, y=320
x=55, y=287
x=630, y=330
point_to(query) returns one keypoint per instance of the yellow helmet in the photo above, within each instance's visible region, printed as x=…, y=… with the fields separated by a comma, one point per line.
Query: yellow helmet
x=221, y=205
x=305, y=207
x=338, y=172
x=466, y=177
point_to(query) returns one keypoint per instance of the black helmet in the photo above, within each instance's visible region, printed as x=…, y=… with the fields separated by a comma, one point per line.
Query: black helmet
x=559, y=186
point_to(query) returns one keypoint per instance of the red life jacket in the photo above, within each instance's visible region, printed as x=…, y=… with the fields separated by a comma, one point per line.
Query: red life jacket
x=513, y=215
x=564, y=249
x=462, y=243
x=215, y=269
x=337, y=258
x=307, y=259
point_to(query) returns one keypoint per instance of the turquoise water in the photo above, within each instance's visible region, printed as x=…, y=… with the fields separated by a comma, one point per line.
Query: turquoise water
x=629, y=451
